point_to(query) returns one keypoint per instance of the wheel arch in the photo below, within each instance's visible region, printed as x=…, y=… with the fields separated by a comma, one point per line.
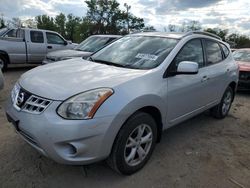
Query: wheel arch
x=5, y=55
x=233, y=85
x=151, y=104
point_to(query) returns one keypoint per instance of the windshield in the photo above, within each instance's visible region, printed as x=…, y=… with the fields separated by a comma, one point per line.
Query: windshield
x=242, y=55
x=93, y=43
x=138, y=52
x=2, y=31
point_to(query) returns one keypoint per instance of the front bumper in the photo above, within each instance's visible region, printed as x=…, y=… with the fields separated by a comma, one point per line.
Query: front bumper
x=244, y=80
x=64, y=141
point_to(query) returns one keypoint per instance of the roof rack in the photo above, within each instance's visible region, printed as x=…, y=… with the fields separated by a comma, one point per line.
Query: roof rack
x=202, y=33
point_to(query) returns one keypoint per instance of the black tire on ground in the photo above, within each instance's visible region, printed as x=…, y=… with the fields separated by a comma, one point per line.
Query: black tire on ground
x=122, y=148
x=3, y=63
x=221, y=110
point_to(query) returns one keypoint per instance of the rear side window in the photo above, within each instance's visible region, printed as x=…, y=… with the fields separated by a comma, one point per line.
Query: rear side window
x=192, y=51
x=36, y=37
x=213, y=51
x=225, y=50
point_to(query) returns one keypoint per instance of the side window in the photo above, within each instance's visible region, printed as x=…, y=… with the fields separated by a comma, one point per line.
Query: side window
x=15, y=33
x=53, y=38
x=225, y=50
x=36, y=37
x=213, y=51
x=192, y=51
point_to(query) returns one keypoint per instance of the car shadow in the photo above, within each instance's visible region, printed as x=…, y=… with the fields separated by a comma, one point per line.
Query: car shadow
x=20, y=67
x=243, y=92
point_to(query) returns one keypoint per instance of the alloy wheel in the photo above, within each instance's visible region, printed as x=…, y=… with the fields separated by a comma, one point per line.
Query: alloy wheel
x=138, y=145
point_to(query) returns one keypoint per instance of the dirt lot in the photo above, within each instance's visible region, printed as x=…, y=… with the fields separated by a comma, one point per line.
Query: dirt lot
x=202, y=152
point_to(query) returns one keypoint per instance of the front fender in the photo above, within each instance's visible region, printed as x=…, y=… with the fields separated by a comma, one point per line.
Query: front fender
x=128, y=110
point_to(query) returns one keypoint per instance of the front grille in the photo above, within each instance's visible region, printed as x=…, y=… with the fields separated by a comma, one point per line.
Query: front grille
x=244, y=75
x=27, y=102
x=36, y=105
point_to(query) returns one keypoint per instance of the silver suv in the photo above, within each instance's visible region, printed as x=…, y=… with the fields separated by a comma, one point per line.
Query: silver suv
x=116, y=105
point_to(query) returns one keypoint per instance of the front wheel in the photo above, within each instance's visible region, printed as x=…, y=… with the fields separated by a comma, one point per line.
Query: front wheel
x=3, y=63
x=221, y=110
x=134, y=144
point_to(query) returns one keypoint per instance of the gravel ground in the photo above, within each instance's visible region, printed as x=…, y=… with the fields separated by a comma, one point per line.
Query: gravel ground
x=202, y=152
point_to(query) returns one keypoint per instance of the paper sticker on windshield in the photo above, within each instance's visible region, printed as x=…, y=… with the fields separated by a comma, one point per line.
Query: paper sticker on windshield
x=146, y=56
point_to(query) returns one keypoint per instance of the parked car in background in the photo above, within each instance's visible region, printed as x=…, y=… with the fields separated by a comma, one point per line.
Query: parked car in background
x=116, y=105
x=24, y=45
x=242, y=56
x=1, y=80
x=84, y=49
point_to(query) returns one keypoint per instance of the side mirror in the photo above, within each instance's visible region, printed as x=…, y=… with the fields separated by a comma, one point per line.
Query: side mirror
x=66, y=42
x=187, y=67
x=69, y=42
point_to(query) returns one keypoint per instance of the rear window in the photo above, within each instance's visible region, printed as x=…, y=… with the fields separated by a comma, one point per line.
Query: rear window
x=36, y=37
x=15, y=33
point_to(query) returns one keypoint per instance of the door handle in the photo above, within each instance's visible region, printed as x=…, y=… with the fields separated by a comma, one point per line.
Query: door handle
x=205, y=78
x=49, y=47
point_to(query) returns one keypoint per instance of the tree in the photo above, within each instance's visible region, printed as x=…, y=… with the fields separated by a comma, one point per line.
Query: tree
x=16, y=22
x=172, y=28
x=60, y=23
x=240, y=41
x=45, y=22
x=107, y=17
x=193, y=25
x=149, y=28
x=219, y=32
x=72, y=26
x=30, y=23
x=2, y=23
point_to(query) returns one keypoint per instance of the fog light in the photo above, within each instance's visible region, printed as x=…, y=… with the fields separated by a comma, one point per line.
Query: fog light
x=71, y=149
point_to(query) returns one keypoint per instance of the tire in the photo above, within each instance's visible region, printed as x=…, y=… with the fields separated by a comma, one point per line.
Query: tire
x=3, y=63
x=124, y=157
x=221, y=110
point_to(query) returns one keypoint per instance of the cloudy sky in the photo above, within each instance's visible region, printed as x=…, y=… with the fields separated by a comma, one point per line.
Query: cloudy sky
x=231, y=14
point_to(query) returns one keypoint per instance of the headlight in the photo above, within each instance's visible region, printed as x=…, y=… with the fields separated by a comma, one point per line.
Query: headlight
x=15, y=92
x=84, y=105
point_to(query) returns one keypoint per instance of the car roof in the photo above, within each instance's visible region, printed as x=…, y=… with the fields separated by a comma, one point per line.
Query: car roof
x=174, y=35
x=110, y=36
x=178, y=35
x=242, y=49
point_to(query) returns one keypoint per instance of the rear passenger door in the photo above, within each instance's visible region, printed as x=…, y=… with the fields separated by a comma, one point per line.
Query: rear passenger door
x=216, y=68
x=36, y=47
x=55, y=42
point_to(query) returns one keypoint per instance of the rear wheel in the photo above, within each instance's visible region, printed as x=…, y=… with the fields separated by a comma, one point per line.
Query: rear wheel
x=134, y=144
x=3, y=63
x=221, y=110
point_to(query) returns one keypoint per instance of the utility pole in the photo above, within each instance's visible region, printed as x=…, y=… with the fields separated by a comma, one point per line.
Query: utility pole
x=128, y=7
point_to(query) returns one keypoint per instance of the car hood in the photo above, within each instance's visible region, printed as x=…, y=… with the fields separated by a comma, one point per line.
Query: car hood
x=244, y=66
x=59, y=81
x=68, y=53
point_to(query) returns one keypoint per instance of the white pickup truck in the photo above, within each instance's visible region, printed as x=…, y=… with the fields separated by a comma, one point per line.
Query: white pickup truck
x=24, y=45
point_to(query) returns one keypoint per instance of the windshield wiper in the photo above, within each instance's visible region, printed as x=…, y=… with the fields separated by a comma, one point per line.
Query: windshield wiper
x=109, y=63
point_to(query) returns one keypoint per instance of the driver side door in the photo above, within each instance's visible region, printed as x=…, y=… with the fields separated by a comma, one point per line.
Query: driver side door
x=186, y=94
x=55, y=42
